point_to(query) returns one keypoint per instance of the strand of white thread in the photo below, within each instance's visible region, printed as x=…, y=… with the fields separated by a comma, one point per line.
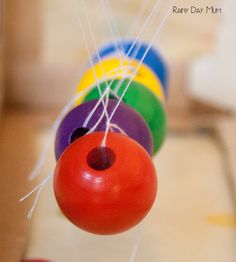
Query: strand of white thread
x=43, y=156
x=64, y=111
x=124, y=75
x=86, y=121
x=88, y=50
x=106, y=93
x=138, y=17
x=131, y=48
x=88, y=118
x=99, y=59
x=115, y=126
x=140, y=63
x=115, y=34
x=40, y=187
x=154, y=10
x=117, y=47
x=92, y=64
x=39, y=165
x=41, y=161
x=149, y=19
x=94, y=72
x=137, y=242
x=55, y=126
x=44, y=182
x=114, y=31
x=143, y=57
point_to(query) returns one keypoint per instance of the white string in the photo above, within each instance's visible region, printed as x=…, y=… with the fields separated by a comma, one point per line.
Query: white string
x=137, y=242
x=40, y=187
x=115, y=126
x=98, y=55
x=149, y=19
x=137, y=48
x=140, y=63
x=113, y=29
x=56, y=124
x=99, y=58
x=39, y=165
x=88, y=50
x=154, y=10
x=125, y=74
x=94, y=42
x=101, y=96
x=134, y=251
x=94, y=109
x=114, y=33
x=102, y=115
x=138, y=17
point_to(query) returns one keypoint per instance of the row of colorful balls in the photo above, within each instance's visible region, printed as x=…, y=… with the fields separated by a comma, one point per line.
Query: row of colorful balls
x=107, y=190
x=146, y=95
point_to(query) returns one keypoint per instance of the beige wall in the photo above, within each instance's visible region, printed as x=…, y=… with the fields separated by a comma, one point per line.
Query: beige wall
x=23, y=45
x=45, y=49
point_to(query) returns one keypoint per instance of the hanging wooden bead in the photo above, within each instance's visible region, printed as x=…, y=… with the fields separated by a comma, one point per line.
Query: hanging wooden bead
x=126, y=120
x=105, y=190
x=145, y=103
x=112, y=68
x=153, y=58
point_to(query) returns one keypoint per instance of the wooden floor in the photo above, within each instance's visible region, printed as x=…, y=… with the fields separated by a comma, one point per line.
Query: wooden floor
x=19, y=132
x=193, y=218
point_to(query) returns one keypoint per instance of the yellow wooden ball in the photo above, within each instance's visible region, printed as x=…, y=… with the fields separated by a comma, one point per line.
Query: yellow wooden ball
x=117, y=68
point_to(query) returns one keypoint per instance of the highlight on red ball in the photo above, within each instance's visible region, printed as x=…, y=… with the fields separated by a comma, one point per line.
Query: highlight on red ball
x=105, y=190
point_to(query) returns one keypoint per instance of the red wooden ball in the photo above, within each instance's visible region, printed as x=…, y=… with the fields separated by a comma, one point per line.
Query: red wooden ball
x=105, y=190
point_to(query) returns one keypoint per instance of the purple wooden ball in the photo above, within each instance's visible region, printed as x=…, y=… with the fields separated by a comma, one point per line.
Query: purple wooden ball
x=126, y=118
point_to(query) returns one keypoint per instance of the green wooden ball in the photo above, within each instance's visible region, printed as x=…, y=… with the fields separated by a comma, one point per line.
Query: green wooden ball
x=144, y=102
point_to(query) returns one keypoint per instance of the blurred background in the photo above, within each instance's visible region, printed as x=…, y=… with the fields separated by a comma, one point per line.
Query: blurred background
x=42, y=56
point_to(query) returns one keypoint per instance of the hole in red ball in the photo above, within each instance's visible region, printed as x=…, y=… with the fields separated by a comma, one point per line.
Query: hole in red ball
x=77, y=133
x=101, y=158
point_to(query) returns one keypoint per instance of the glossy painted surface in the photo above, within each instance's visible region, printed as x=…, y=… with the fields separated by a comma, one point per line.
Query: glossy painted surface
x=126, y=118
x=153, y=58
x=110, y=68
x=106, y=201
x=146, y=104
